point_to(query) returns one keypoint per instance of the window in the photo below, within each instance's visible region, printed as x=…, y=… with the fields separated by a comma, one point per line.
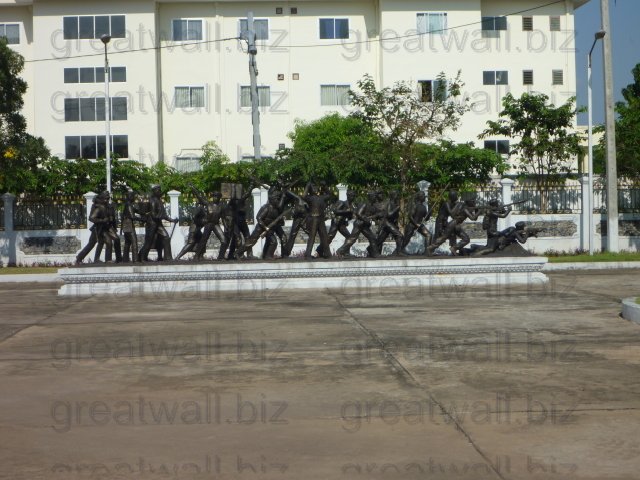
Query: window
x=527, y=24
x=499, y=77
x=527, y=77
x=184, y=30
x=432, y=89
x=93, y=109
x=499, y=146
x=554, y=24
x=494, y=23
x=334, y=95
x=261, y=26
x=432, y=22
x=11, y=31
x=190, y=163
x=189, y=97
x=264, y=96
x=334, y=28
x=87, y=75
x=94, y=75
x=557, y=77
x=92, y=147
x=93, y=27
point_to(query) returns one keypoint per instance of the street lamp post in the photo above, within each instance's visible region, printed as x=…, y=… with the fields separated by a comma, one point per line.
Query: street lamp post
x=107, y=109
x=598, y=36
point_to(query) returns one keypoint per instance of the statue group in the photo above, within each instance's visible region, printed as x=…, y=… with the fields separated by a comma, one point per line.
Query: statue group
x=376, y=218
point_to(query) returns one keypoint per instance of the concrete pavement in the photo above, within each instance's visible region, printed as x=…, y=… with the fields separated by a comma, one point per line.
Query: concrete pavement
x=533, y=382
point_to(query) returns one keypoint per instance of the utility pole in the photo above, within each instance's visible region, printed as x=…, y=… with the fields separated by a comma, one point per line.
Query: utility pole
x=610, y=131
x=253, y=74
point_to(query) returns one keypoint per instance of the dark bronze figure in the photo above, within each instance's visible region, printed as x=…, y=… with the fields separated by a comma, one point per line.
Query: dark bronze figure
x=215, y=210
x=198, y=221
x=300, y=220
x=342, y=212
x=154, y=227
x=130, y=215
x=268, y=225
x=419, y=215
x=105, y=219
x=93, y=237
x=461, y=212
x=316, y=199
x=389, y=217
x=365, y=215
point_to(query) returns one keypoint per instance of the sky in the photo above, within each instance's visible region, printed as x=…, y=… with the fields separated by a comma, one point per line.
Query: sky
x=625, y=31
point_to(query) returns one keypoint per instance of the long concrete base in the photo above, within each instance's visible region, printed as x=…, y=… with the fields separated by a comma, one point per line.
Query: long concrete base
x=247, y=276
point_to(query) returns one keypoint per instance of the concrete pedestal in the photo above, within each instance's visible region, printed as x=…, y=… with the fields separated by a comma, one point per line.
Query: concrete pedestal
x=297, y=274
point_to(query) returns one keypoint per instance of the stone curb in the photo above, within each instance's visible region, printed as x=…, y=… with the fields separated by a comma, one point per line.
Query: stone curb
x=30, y=277
x=631, y=310
x=552, y=267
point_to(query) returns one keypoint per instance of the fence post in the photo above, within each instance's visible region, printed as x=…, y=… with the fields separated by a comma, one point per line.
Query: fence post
x=260, y=198
x=507, y=197
x=585, y=224
x=177, y=240
x=342, y=192
x=9, y=233
x=86, y=233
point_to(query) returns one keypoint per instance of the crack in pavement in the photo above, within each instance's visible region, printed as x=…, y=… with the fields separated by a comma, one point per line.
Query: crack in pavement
x=407, y=376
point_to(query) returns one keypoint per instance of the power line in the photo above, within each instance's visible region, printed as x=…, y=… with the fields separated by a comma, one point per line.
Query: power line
x=317, y=45
x=133, y=50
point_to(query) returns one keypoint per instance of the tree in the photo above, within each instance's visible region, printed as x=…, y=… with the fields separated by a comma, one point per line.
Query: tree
x=335, y=149
x=544, y=143
x=456, y=165
x=401, y=118
x=627, y=133
x=19, y=151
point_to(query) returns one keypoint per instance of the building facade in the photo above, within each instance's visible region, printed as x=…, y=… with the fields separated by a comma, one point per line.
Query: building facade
x=179, y=74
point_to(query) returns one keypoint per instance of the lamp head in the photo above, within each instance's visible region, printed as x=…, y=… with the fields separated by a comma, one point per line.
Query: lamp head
x=600, y=35
x=106, y=38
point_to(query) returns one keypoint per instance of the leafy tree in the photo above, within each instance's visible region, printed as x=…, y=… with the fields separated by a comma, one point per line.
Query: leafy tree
x=456, y=165
x=335, y=149
x=19, y=151
x=401, y=118
x=544, y=143
x=627, y=133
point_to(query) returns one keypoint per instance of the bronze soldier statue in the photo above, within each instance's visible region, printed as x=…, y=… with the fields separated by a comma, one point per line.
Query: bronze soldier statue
x=154, y=226
x=105, y=220
x=198, y=220
x=461, y=212
x=444, y=212
x=300, y=219
x=317, y=200
x=389, y=224
x=419, y=215
x=215, y=211
x=93, y=237
x=364, y=218
x=130, y=214
x=268, y=226
x=342, y=213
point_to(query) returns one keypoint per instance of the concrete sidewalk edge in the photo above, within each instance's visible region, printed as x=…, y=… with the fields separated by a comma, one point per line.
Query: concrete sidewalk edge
x=549, y=267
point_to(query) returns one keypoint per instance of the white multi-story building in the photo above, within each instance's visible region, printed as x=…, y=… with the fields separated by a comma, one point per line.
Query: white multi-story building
x=180, y=76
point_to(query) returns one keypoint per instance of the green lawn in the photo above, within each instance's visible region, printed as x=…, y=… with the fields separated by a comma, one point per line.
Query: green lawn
x=598, y=257
x=19, y=270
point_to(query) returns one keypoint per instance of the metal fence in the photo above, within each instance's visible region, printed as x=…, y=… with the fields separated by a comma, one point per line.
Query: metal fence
x=556, y=199
x=188, y=204
x=62, y=211
x=483, y=195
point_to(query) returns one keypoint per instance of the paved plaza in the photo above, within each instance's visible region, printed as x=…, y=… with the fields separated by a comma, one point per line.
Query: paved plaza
x=530, y=382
